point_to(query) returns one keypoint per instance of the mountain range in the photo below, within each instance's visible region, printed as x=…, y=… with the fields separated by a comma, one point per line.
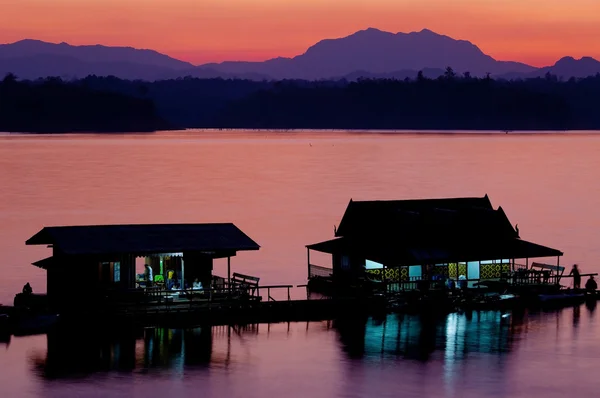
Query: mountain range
x=369, y=53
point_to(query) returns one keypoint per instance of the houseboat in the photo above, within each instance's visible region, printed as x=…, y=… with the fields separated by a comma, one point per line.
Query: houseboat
x=407, y=245
x=100, y=267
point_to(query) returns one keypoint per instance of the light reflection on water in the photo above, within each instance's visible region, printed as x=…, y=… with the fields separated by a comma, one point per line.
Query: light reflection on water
x=470, y=354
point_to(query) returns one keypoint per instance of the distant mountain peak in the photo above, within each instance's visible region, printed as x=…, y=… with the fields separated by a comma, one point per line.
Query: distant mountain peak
x=368, y=32
x=571, y=62
x=26, y=42
x=569, y=59
x=568, y=67
x=566, y=62
x=32, y=59
x=369, y=52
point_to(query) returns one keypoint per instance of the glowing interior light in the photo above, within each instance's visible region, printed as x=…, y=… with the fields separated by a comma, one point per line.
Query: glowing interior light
x=373, y=265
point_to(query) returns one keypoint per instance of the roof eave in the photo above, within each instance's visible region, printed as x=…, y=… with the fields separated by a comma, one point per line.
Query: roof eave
x=340, y=227
x=41, y=238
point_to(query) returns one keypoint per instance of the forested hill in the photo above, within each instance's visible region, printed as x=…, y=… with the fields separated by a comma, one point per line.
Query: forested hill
x=449, y=102
x=54, y=106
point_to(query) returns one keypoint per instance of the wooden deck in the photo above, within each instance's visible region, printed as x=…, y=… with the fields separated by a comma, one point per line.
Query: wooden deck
x=216, y=307
x=222, y=313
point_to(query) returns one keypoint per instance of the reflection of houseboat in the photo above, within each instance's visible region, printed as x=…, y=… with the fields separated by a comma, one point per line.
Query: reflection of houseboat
x=418, y=337
x=405, y=245
x=96, y=267
x=4, y=325
x=77, y=352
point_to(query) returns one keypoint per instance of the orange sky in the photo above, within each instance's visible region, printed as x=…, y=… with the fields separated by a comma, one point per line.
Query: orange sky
x=537, y=32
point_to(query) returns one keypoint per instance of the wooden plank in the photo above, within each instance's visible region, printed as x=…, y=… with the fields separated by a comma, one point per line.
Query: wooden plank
x=241, y=278
x=548, y=266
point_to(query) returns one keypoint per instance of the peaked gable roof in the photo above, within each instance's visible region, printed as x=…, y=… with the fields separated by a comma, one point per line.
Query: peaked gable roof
x=144, y=238
x=425, y=218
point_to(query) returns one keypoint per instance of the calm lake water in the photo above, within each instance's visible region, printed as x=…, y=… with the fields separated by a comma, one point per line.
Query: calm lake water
x=286, y=190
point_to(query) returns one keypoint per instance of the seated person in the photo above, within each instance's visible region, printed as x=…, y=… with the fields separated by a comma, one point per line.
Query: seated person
x=170, y=279
x=591, y=286
x=462, y=282
x=197, y=285
x=27, y=289
x=148, y=277
x=450, y=284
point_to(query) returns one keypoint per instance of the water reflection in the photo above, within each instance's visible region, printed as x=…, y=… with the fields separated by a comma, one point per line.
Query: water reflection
x=449, y=340
x=79, y=353
x=591, y=306
x=576, y=316
x=418, y=337
x=5, y=339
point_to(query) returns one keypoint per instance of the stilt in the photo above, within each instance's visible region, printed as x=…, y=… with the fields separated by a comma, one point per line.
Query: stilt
x=229, y=274
x=182, y=275
x=308, y=261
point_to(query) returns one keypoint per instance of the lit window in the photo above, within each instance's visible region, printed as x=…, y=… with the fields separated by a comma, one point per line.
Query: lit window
x=117, y=271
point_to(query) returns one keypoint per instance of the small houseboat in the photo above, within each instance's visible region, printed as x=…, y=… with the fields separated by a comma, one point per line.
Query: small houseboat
x=122, y=267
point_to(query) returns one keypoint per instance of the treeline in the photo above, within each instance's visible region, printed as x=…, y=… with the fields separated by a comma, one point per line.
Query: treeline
x=448, y=102
x=53, y=106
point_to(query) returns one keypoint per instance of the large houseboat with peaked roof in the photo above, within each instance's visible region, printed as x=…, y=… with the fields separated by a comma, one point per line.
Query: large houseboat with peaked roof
x=461, y=241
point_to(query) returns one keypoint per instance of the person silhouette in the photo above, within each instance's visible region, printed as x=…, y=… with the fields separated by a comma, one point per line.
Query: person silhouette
x=576, y=276
x=27, y=289
x=591, y=286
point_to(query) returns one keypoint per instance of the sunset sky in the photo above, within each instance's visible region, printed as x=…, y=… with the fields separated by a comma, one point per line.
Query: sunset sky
x=537, y=32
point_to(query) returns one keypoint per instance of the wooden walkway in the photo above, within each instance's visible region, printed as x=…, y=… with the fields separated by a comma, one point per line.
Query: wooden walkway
x=227, y=312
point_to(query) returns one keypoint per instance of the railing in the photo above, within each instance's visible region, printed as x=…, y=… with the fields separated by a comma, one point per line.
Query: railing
x=520, y=266
x=163, y=299
x=532, y=277
x=410, y=284
x=167, y=296
x=317, y=270
x=581, y=275
x=269, y=287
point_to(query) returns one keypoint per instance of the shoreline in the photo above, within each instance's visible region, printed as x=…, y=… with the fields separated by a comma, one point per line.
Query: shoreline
x=304, y=131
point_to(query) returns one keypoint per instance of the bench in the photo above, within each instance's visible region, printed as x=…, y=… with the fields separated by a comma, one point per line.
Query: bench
x=247, y=283
x=559, y=270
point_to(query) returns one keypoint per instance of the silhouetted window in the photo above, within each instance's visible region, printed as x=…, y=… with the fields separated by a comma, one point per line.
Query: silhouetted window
x=345, y=262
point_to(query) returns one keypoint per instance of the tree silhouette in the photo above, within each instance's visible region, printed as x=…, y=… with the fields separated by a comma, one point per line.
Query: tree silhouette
x=550, y=77
x=9, y=78
x=449, y=73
